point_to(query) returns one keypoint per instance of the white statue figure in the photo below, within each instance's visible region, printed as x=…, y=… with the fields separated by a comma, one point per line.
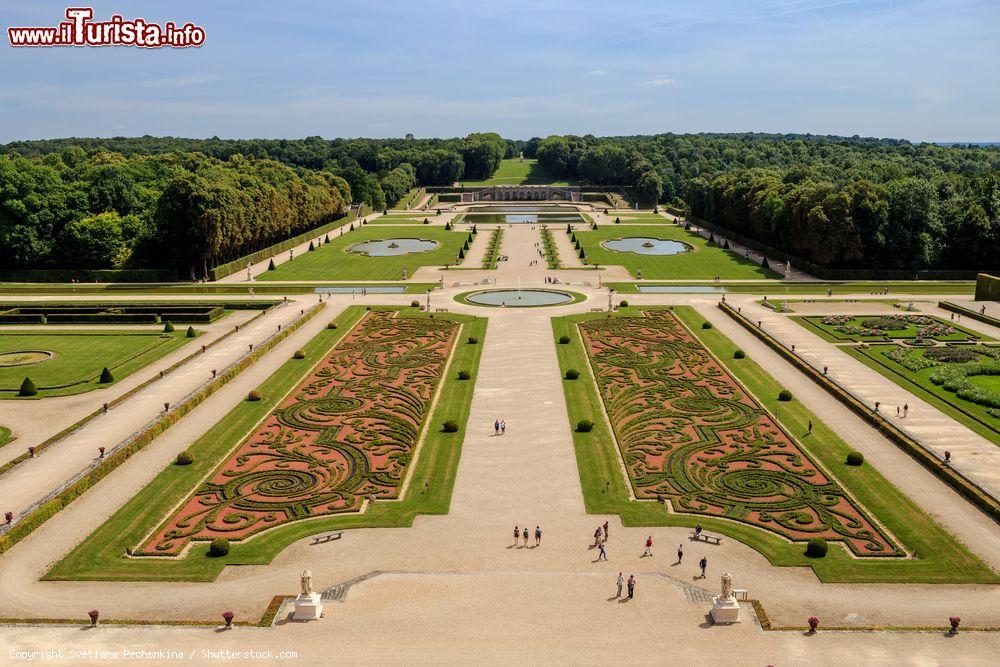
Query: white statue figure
x=307, y=585
x=249, y=273
x=727, y=585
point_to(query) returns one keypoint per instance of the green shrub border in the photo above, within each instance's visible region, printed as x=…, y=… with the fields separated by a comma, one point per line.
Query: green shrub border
x=970, y=492
x=49, y=509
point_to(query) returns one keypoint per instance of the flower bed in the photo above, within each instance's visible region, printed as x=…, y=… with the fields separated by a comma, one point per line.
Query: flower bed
x=346, y=434
x=690, y=434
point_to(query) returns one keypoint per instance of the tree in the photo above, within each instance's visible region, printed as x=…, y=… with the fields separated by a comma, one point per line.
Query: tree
x=95, y=242
x=650, y=187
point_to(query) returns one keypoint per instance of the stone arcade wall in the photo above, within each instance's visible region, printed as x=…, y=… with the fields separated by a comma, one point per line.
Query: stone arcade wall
x=522, y=193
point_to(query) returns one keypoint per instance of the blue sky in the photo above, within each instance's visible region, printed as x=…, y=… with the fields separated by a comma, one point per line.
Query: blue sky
x=916, y=69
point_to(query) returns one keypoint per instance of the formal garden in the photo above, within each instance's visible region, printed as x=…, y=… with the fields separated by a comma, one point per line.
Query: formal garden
x=36, y=364
x=706, y=436
x=334, y=260
x=915, y=329
x=702, y=260
x=333, y=431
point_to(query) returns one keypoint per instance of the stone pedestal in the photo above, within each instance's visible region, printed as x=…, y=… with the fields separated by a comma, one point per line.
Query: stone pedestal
x=308, y=607
x=725, y=609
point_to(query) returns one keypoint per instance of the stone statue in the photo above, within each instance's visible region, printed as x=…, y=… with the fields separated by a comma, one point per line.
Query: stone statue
x=727, y=586
x=307, y=585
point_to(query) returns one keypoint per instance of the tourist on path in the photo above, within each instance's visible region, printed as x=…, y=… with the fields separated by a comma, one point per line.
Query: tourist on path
x=604, y=554
x=503, y=426
x=649, y=547
x=703, y=563
x=605, y=531
x=680, y=552
x=517, y=533
x=538, y=536
x=597, y=536
x=621, y=582
x=496, y=427
x=631, y=585
x=526, y=536
x=906, y=409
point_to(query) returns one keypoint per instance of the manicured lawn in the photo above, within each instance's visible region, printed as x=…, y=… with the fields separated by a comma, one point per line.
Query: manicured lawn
x=402, y=219
x=916, y=287
x=78, y=358
x=515, y=172
x=5, y=436
x=973, y=415
x=866, y=328
x=936, y=555
x=432, y=476
x=332, y=261
x=703, y=262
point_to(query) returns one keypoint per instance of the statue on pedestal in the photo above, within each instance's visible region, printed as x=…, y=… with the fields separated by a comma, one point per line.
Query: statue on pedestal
x=727, y=585
x=306, y=582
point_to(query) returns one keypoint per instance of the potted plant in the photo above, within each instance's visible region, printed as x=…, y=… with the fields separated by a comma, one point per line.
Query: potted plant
x=94, y=614
x=954, y=620
x=228, y=617
x=813, y=624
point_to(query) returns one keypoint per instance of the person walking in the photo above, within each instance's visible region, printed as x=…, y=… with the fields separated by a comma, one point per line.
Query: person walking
x=906, y=408
x=605, y=531
x=810, y=429
x=621, y=582
x=649, y=547
x=703, y=563
x=503, y=426
x=525, y=536
x=604, y=554
x=517, y=534
x=680, y=553
x=538, y=536
x=496, y=427
x=597, y=536
x=631, y=586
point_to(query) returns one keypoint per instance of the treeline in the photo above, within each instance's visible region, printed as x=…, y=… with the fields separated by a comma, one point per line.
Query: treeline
x=182, y=211
x=837, y=202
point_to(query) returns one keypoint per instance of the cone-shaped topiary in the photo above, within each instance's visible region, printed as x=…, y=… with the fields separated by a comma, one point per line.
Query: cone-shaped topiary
x=270, y=265
x=725, y=244
x=190, y=332
x=764, y=264
x=106, y=376
x=327, y=239
x=447, y=226
x=311, y=246
x=28, y=388
x=461, y=253
x=168, y=327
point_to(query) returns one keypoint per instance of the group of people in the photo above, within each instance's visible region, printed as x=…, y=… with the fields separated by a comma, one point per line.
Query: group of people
x=499, y=426
x=523, y=534
x=551, y=280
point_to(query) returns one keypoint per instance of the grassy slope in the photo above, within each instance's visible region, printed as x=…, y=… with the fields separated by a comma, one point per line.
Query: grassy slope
x=918, y=383
x=333, y=262
x=99, y=556
x=916, y=287
x=515, y=172
x=5, y=436
x=940, y=557
x=80, y=356
x=704, y=262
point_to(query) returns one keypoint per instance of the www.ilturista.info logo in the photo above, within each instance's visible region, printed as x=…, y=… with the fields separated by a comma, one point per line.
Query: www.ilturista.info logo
x=81, y=30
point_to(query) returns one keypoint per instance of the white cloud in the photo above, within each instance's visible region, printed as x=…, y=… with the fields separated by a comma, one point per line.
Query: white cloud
x=660, y=81
x=596, y=72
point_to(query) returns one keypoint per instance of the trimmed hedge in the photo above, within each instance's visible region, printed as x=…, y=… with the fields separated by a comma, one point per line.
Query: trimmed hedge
x=584, y=426
x=464, y=375
x=450, y=426
x=855, y=459
x=185, y=458
x=218, y=547
x=106, y=376
x=28, y=388
x=572, y=374
x=563, y=340
x=784, y=395
x=739, y=354
x=817, y=547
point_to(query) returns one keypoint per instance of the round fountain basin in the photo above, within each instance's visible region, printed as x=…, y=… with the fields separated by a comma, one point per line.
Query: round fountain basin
x=525, y=298
x=392, y=247
x=644, y=245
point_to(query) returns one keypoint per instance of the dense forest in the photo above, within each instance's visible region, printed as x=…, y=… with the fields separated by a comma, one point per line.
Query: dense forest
x=192, y=203
x=833, y=201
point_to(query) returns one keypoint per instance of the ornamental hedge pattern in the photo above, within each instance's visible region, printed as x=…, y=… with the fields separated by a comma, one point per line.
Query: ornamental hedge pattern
x=346, y=434
x=690, y=435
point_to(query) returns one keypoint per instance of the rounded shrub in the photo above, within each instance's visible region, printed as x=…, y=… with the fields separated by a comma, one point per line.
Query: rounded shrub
x=184, y=459
x=817, y=547
x=564, y=340
x=106, y=376
x=473, y=340
x=784, y=395
x=572, y=374
x=28, y=388
x=168, y=327
x=219, y=547
x=464, y=375
x=254, y=395
x=331, y=325
x=855, y=459
x=623, y=304
x=190, y=332
x=414, y=304
x=739, y=354
x=450, y=426
x=706, y=325
x=584, y=426
x=299, y=354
